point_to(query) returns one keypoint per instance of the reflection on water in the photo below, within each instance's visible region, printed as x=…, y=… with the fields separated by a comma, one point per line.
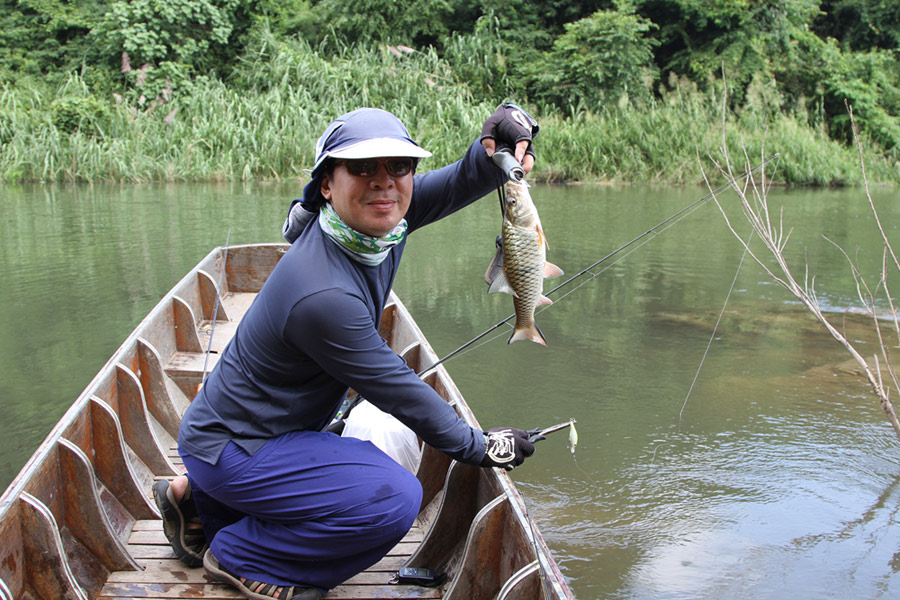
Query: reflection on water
x=776, y=477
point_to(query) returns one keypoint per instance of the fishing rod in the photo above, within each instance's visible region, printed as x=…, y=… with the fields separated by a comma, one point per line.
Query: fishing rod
x=215, y=315
x=652, y=231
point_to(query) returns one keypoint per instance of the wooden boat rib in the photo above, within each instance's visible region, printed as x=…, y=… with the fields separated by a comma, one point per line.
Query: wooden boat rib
x=78, y=522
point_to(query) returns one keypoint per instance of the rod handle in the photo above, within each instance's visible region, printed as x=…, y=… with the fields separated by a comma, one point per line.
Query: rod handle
x=509, y=165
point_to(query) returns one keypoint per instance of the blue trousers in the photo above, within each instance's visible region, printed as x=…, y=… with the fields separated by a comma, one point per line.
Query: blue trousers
x=308, y=509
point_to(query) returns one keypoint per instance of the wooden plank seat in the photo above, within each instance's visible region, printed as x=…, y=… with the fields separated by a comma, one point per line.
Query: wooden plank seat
x=190, y=361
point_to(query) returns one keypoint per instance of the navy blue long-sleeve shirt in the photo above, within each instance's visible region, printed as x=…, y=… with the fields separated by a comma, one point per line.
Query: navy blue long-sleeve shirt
x=312, y=333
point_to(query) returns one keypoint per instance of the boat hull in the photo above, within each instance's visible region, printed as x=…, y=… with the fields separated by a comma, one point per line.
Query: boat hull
x=79, y=522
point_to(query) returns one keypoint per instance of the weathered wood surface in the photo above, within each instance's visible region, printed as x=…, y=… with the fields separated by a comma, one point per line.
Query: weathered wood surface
x=79, y=522
x=164, y=576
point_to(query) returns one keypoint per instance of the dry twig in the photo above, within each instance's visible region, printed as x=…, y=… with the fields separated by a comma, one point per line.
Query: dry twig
x=752, y=195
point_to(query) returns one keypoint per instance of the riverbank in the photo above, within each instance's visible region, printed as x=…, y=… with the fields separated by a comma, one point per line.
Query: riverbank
x=210, y=131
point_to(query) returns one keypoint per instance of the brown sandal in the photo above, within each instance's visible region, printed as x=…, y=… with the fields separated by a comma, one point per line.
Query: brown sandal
x=189, y=543
x=256, y=589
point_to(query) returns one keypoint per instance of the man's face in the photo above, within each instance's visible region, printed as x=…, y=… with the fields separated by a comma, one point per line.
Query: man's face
x=373, y=203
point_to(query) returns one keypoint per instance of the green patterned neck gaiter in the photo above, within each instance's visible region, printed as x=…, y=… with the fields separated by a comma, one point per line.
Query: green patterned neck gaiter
x=362, y=248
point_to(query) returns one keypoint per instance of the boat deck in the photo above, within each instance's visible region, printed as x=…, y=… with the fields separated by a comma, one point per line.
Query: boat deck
x=164, y=576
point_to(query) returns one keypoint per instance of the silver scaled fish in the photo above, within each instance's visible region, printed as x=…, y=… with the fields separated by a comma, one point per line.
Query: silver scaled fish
x=520, y=265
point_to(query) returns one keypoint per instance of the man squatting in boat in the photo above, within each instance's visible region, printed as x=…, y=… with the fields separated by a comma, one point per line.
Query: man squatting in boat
x=289, y=510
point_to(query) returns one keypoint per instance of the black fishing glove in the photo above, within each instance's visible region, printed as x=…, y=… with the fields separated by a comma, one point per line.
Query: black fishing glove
x=506, y=447
x=509, y=125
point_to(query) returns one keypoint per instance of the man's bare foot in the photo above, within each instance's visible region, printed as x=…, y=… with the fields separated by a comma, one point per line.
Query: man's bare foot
x=179, y=485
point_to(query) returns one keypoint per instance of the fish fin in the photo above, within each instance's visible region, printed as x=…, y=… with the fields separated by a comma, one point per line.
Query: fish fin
x=496, y=265
x=500, y=284
x=542, y=239
x=528, y=333
x=551, y=270
x=542, y=299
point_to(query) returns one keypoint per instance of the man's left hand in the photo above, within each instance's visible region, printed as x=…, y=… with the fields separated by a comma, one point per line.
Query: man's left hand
x=512, y=128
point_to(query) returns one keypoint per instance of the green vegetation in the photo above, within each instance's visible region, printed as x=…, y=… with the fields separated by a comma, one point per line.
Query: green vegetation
x=625, y=90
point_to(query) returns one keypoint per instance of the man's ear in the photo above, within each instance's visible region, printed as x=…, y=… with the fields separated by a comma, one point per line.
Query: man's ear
x=325, y=188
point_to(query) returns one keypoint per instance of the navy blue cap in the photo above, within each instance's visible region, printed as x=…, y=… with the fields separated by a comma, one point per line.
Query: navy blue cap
x=366, y=133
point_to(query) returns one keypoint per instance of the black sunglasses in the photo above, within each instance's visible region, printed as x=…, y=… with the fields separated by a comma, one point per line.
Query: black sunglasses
x=366, y=167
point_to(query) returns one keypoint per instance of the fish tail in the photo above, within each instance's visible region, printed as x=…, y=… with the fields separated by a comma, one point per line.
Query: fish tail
x=528, y=333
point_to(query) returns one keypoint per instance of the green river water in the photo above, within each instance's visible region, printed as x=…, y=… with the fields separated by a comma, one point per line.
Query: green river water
x=777, y=476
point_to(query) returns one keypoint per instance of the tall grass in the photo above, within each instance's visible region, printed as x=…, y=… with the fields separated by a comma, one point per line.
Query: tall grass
x=661, y=143
x=262, y=124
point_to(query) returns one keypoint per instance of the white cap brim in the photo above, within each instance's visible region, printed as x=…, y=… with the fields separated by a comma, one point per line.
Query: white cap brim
x=380, y=148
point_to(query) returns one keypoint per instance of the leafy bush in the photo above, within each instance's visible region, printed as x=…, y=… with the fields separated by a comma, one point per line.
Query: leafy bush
x=196, y=33
x=860, y=26
x=74, y=113
x=869, y=82
x=286, y=18
x=827, y=76
x=414, y=22
x=45, y=37
x=599, y=59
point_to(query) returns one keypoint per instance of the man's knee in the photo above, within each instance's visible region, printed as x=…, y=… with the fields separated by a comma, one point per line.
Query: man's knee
x=398, y=502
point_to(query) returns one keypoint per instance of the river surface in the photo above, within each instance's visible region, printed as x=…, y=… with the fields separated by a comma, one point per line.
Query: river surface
x=770, y=472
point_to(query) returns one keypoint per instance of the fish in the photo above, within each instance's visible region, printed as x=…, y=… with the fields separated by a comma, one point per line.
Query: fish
x=520, y=264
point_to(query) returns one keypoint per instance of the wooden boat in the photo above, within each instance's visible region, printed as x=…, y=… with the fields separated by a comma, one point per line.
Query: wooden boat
x=78, y=522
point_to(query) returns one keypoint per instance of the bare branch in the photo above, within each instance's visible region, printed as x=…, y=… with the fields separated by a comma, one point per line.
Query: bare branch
x=862, y=166
x=753, y=199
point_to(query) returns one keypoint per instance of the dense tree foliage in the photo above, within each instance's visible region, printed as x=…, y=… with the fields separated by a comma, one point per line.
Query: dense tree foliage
x=860, y=25
x=798, y=58
x=196, y=33
x=39, y=36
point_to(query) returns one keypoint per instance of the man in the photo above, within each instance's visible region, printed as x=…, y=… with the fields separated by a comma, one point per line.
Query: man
x=291, y=510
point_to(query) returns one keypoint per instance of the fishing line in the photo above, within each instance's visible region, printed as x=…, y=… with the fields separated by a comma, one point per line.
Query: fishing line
x=215, y=316
x=651, y=233
x=737, y=272
x=587, y=475
x=715, y=327
x=586, y=281
x=656, y=231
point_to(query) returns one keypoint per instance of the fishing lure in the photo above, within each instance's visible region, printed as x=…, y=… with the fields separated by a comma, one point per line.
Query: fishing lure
x=573, y=436
x=535, y=435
